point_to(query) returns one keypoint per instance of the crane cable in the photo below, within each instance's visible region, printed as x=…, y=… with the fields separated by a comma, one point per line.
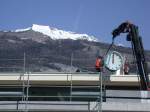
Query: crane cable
x=110, y=46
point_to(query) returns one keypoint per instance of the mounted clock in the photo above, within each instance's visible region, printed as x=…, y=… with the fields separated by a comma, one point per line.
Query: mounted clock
x=113, y=61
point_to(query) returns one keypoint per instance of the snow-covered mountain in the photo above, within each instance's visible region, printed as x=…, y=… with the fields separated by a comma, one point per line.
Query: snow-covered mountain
x=52, y=55
x=55, y=33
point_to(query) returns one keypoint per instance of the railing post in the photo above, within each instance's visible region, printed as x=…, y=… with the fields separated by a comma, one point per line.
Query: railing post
x=27, y=93
x=100, y=97
x=88, y=106
x=101, y=100
x=24, y=62
x=71, y=89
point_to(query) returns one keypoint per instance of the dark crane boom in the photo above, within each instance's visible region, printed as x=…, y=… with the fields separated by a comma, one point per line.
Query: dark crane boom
x=138, y=50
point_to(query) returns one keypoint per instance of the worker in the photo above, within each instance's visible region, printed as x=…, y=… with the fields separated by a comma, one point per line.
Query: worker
x=99, y=64
x=126, y=67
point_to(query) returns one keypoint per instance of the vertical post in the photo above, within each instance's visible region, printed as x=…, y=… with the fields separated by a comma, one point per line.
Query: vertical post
x=27, y=94
x=123, y=65
x=100, y=94
x=23, y=80
x=101, y=98
x=71, y=89
x=17, y=105
x=22, y=76
x=24, y=64
x=88, y=106
x=71, y=61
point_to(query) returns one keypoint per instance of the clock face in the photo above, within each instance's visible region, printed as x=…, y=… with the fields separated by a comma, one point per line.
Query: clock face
x=113, y=61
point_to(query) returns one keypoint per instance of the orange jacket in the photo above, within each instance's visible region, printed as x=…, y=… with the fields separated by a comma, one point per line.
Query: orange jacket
x=98, y=63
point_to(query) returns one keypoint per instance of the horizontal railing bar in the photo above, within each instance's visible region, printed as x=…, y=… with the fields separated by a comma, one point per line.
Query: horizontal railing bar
x=67, y=75
x=11, y=93
x=79, y=93
x=52, y=96
x=59, y=74
x=125, y=97
x=77, y=97
x=25, y=75
x=20, y=86
x=47, y=103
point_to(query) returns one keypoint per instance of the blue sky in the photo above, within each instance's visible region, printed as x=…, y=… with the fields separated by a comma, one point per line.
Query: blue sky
x=93, y=17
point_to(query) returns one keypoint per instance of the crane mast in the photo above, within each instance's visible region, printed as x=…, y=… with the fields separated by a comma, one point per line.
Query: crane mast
x=137, y=48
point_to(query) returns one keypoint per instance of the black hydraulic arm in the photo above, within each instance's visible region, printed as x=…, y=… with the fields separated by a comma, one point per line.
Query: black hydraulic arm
x=138, y=50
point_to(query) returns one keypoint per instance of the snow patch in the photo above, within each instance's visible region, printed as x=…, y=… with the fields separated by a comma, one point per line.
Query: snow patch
x=60, y=34
x=22, y=30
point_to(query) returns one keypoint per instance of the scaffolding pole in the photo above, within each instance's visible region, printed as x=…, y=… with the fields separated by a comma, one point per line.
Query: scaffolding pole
x=100, y=100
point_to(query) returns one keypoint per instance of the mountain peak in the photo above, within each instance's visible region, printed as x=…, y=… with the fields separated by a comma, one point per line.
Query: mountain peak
x=55, y=33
